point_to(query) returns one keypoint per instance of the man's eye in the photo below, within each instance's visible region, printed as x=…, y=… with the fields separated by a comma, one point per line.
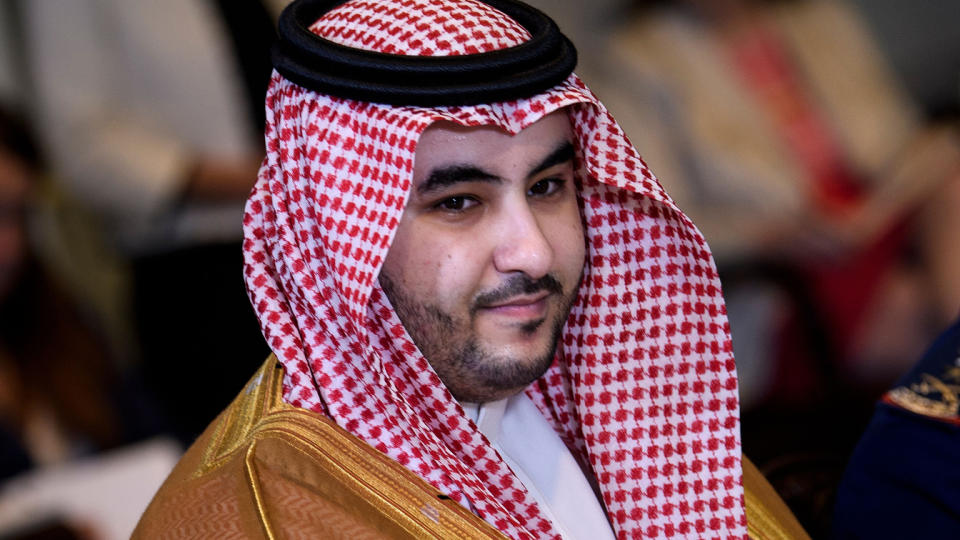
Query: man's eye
x=547, y=186
x=456, y=204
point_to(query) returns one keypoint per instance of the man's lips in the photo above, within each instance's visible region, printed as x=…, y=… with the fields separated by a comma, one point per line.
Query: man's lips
x=523, y=306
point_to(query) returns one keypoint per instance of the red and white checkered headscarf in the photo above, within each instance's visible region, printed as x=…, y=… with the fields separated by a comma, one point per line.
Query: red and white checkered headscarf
x=643, y=387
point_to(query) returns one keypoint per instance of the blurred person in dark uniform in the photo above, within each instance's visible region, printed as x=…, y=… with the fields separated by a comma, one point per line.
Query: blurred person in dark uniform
x=902, y=480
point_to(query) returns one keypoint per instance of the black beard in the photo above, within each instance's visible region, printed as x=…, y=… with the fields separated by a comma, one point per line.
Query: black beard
x=471, y=373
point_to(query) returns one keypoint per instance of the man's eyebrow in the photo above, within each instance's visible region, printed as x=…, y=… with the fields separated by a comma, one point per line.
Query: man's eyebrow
x=562, y=154
x=443, y=177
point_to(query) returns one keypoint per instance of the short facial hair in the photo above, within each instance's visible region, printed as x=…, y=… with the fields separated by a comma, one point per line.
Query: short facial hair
x=469, y=371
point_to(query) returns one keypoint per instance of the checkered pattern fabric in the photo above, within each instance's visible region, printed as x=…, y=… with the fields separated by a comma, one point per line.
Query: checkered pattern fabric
x=643, y=387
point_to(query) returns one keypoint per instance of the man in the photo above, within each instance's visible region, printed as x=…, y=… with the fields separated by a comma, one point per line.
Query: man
x=488, y=318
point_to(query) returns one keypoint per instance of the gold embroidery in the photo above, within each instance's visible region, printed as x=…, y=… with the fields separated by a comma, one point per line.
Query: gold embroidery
x=915, y=398
x=252, y=481
x=430, y=512
x=261, y=396
x=259, y=415
x=953, y=372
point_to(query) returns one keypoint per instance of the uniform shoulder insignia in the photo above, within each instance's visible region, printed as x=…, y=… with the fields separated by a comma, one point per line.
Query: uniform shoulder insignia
x=932, y=387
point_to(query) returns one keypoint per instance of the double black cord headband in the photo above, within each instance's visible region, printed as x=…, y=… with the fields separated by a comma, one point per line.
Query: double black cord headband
x=308, y=60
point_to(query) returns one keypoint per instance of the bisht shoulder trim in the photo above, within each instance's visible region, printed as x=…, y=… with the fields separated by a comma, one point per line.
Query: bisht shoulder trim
x=265, y=469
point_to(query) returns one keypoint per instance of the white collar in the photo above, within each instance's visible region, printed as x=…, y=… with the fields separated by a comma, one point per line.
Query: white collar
x=544, y=464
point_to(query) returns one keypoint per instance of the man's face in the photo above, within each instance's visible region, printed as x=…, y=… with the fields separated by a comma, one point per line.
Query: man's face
x=488, y=255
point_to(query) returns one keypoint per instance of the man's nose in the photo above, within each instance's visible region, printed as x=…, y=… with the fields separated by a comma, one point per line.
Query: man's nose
x=521, y=245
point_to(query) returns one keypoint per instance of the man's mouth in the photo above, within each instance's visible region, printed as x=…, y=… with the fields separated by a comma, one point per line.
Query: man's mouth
x=527, y=306
x=519, y=291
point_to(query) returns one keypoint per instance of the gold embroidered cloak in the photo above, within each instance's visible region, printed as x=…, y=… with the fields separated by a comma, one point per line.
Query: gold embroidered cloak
x=265, y=469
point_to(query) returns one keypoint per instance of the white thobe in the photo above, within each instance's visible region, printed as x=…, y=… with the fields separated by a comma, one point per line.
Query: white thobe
x=544, y=464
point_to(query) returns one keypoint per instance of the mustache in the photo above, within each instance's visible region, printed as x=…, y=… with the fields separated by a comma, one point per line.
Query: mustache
x=517, y=285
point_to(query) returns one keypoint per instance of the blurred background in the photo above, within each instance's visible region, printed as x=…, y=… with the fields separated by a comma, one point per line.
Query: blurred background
x=814, y=142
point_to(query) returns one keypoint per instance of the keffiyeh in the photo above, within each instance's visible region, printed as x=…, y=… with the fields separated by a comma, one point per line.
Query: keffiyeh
x=643, y=387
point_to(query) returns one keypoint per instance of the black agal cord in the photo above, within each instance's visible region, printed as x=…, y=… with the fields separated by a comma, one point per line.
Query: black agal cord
x=543, y=61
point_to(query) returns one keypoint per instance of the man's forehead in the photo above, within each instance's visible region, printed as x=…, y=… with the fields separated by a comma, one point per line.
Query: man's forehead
x=445, y=142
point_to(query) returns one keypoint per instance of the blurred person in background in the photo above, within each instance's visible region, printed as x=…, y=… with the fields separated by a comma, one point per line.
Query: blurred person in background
x=790, y=142
x=61, y=395
x=151, y=113
x=828, y=200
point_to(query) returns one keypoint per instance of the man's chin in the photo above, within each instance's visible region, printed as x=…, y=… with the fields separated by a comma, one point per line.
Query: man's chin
x=497, y=364
x=515, y=365
x=525, y=347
